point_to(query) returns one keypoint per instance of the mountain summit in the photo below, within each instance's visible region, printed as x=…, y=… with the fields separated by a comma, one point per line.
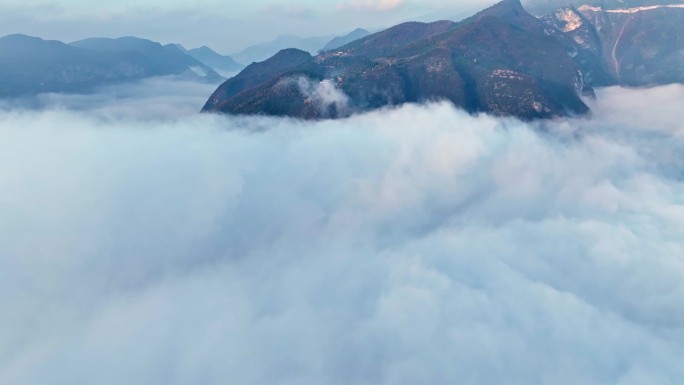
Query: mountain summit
x=499, y=61
x=502, y=61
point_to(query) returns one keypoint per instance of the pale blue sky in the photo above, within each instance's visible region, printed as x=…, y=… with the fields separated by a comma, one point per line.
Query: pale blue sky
x=227, y=26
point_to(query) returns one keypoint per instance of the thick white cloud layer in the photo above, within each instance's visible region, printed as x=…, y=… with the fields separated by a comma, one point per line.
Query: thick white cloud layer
x=418, y=245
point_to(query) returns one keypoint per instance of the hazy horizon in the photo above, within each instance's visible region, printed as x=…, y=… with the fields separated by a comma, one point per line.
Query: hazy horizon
x=226, y=27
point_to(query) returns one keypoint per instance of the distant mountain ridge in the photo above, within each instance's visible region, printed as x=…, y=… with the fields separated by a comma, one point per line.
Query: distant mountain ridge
x=340, y=41
x=209, y=57
x=502, y=61
x=161, y=59
x=262, y=51
x=31, y=65
x=313, y=45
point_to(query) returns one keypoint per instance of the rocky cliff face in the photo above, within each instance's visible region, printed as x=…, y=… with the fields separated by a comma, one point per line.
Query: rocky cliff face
x=639, y=46
x=544, y=7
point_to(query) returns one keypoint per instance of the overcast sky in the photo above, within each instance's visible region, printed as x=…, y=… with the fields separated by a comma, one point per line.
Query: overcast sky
x=227, y=26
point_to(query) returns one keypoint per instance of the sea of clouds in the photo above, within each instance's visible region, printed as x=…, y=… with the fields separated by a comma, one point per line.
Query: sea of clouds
x=417, y=245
